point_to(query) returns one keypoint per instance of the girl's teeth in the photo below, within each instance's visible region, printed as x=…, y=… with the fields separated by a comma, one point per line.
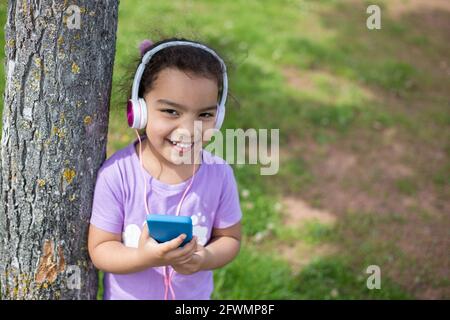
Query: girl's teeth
x=181, y=145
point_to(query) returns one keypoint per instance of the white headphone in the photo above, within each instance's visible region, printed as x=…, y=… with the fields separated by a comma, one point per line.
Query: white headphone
x=137, y=108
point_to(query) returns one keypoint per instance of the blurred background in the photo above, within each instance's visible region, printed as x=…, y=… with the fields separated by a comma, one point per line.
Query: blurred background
x=364, y=121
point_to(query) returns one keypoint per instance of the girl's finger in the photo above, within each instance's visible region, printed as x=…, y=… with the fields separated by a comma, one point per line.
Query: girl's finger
x=173, y=244
x=180, y=251
x=179, y=254
x=183, y=261
x=188, y=249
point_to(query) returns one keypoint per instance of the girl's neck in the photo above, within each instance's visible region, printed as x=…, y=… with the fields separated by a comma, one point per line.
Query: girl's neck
x=161, y=169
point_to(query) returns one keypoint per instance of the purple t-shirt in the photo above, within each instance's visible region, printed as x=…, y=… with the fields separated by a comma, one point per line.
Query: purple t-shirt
x=118, y=207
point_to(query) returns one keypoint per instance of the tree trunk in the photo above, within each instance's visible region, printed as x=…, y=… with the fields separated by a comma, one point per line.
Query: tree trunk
x=55, y=124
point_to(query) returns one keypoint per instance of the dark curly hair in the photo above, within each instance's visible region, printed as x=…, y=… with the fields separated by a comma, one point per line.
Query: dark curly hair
x=183, y=57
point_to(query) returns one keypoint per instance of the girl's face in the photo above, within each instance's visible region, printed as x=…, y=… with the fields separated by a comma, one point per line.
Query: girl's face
x=177, y=100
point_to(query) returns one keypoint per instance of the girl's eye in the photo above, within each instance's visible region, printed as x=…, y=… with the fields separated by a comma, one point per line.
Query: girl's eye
x=170, y=111
x=207, y=115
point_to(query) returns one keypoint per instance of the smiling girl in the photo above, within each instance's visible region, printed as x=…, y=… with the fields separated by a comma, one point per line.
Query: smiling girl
x=181, y=84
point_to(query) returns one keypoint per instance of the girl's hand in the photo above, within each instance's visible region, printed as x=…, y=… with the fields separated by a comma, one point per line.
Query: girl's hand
x=154, y=254
x=194, y=264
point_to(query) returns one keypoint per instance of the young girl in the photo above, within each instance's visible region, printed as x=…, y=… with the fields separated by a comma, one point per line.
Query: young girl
x=180, y=84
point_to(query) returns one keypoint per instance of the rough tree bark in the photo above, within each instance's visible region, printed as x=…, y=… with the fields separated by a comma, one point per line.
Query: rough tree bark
x=55, y=120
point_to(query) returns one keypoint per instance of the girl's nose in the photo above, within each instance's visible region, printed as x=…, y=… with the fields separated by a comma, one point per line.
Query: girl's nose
x=188, y=129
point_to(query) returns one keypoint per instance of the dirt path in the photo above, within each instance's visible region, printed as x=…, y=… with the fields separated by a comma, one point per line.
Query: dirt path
x=392, y=173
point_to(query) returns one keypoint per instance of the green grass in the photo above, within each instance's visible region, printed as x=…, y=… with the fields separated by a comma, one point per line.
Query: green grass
x=293, y=175
x=442, y=176
x=254, y=275
x=407, y=186
x=334, y=278
x=314, y=232
x=310, y=232
x=100, y=287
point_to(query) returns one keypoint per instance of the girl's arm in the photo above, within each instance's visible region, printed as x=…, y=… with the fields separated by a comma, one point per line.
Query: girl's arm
x=223, y=247
x=109, y=254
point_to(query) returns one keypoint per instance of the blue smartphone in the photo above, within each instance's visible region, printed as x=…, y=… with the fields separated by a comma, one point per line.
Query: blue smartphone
x=164, y=228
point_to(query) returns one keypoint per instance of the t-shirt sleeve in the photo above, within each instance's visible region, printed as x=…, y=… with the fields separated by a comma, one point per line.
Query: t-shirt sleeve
x=229, y=209
x=107, y=206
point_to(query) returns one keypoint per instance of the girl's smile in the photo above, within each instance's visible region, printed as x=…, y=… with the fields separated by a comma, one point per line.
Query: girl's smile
x=180, y=146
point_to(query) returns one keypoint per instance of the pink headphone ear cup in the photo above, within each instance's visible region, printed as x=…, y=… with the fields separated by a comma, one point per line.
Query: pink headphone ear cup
x=133, y=114
x=130, y=113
